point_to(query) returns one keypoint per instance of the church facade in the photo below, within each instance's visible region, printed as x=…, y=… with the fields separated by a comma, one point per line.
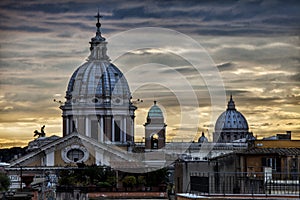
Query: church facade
x=98, y=119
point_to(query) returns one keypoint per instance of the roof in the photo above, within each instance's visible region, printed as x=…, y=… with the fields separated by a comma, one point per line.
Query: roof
x=279, y=151
x=108, y=149
x=155, y=111
x=98, y=81
x=262, y=151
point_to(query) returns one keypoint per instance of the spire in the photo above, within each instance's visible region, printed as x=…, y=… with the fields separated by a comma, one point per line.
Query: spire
x=98, y=38
x=98, y=25
x=98, y=44
x=231, y=105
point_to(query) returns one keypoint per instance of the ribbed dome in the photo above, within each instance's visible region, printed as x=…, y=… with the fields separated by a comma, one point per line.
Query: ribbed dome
x=155, y=111
x=95, y=80
x=98, y=80
x=231, y=119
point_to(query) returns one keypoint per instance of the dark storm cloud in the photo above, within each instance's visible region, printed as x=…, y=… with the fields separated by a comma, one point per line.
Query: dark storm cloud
x=202, y=17
x=226, y=66
x=30, y=82
x=34, y=29
x=219, y=18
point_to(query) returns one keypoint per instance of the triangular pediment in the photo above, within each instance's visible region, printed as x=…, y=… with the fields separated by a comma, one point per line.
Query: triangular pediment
x=108, y=150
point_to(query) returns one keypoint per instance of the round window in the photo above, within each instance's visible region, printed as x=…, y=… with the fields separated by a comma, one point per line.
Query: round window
x=75, y=155
x=95, y=100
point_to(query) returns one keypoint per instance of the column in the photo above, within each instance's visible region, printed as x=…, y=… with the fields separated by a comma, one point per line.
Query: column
x=101, y=129
x=132, y=130
x=124, y=131
x=112, y=129
x=87, y=127
x=67, y=129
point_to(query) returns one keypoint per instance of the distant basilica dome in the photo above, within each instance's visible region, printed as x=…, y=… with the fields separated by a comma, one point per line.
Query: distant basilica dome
x=231, y=125
x=202, y=138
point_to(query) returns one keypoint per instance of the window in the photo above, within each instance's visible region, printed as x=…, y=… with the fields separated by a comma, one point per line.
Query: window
x=274, y=163
x=117, y=131
x=94, y=129
x=75, y=154
x=154, y=141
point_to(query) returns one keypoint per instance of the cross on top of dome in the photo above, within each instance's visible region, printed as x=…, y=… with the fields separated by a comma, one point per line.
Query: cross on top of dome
x=98, y=38
x=98, y=16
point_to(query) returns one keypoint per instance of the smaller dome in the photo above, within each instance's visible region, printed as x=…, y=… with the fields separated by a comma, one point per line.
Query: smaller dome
x=155, y=111
x=202, y=138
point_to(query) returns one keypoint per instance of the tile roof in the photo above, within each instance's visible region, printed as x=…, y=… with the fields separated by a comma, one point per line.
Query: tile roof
x=279, y=151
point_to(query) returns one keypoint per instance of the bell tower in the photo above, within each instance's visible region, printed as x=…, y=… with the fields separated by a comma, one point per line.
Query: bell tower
x=155, y=129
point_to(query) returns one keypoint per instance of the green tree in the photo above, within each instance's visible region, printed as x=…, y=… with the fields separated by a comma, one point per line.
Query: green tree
x=157, y=177
x=141, y=180
x=4, y=182
x=129, y=181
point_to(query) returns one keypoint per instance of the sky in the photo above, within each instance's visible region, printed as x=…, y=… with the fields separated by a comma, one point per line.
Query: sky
x=253, y=45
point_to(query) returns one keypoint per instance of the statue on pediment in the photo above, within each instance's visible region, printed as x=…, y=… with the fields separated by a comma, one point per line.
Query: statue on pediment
x=40, y=134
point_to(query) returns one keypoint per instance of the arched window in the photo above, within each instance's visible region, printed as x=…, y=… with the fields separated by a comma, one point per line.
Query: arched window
x=154, y=141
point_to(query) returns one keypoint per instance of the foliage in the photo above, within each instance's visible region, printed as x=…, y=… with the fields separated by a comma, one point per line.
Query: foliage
x=112, y=180
x=6, y=155
x=157, y=177
x=4, y=182
x=87, y=175
x=67, y=178
x=129, y=181
x=103, y=184
x=141, y=180
x=105, y=177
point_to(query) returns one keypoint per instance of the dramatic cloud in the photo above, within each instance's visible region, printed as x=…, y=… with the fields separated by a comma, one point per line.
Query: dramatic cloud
x=254, y=45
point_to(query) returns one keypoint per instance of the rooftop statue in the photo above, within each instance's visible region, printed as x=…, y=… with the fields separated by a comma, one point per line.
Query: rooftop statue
x=40, y=134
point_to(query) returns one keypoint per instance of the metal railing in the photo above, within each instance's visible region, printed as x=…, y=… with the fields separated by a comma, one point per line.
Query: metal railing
x=245, y=183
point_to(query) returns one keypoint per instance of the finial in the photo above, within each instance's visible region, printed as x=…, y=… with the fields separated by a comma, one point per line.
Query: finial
x=231, y=105
x=98, y=16
x=98, y=38
x=98, y=25
x=154, y=102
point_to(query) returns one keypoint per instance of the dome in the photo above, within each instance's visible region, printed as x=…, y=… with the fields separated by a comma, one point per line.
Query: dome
x=202, y=138
x=231, y=119
x=98, y=80
x=98, y=99
x=155, y=111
